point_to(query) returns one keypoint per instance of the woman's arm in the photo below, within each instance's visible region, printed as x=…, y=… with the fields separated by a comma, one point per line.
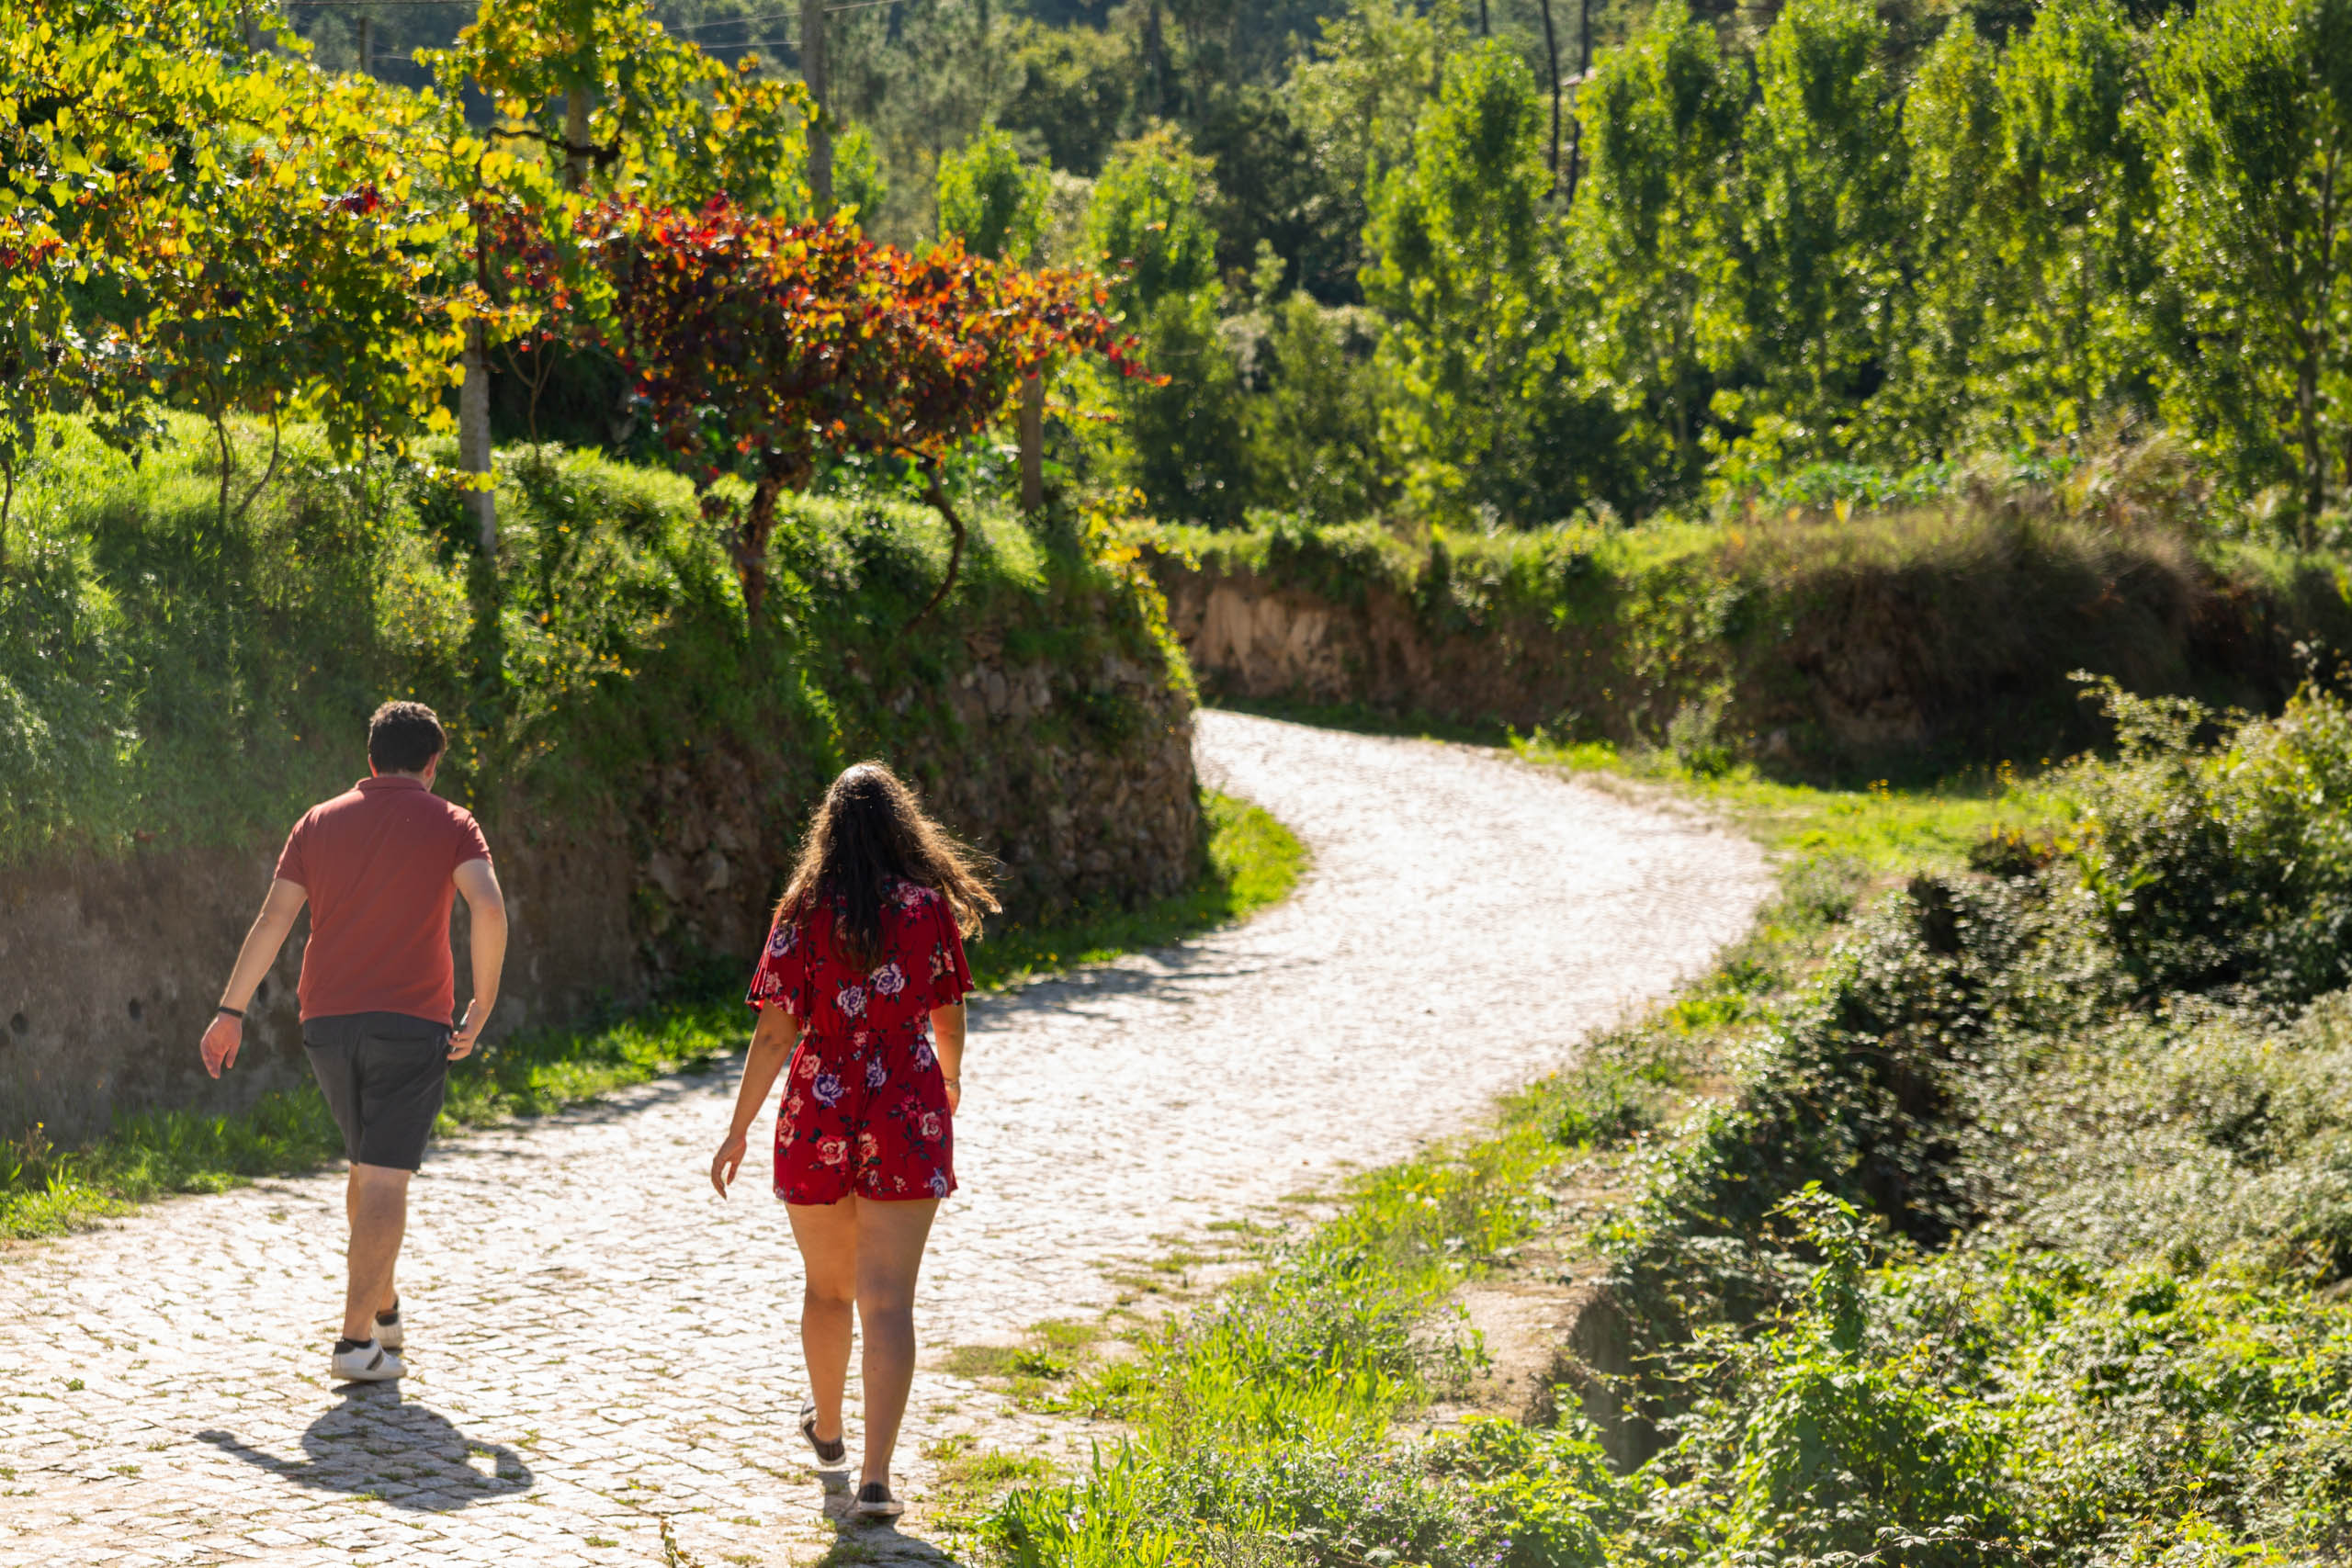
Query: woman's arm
x=947, y=1039
x=771, y=1042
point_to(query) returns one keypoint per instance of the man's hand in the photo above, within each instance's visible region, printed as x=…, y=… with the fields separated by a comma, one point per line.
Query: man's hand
x=222, y=1038
x=469, y=1030
x=726, y=1162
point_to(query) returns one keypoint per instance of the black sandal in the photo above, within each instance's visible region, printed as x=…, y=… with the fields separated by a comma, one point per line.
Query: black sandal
x=832, y=1452
x=874, y=1502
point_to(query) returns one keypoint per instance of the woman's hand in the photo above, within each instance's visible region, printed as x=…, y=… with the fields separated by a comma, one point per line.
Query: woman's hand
x=955, y=1096
x=726, y=1162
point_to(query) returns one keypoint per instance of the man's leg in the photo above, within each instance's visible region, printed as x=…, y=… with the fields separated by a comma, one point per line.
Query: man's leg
x=351, y=1217
x=375, y=1200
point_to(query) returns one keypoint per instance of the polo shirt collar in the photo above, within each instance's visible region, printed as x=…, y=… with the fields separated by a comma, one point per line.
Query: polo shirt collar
x=388, y=780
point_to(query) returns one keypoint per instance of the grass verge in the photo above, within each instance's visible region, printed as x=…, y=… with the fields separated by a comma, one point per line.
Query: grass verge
x=1253, y=861
x=1262, y=1419
x=1934, y=826
x=1998, y=1222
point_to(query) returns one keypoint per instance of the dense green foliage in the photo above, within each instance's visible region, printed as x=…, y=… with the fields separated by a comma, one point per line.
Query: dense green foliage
x=1903, y=643
x=165, y=679
x=1407, y=259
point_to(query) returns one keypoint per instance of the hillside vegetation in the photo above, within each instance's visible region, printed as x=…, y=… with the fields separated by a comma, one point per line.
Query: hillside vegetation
x=2000, y=1220
x=1897, y=643
x=170, y=678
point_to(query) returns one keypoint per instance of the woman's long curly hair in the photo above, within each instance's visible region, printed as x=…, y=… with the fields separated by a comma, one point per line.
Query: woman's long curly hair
x=869, y=833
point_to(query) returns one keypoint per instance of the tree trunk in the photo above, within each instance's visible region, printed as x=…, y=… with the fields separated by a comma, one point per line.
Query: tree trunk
x=575, y=139
x=937, y=496
x=1033, y=444
x=1551, y=55
x=987, y=77
x=473, y=437
x=820, y=136
x=750, y=546
x=220, y=418
x=1153, y=59
x=366, y=46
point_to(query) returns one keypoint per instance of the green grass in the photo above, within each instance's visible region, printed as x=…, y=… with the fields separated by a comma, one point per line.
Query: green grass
x=1252, y=861
x=1267, y=1415
x=1889, y=830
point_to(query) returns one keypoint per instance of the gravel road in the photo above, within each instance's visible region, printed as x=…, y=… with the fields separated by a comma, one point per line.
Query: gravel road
x=598, y=1342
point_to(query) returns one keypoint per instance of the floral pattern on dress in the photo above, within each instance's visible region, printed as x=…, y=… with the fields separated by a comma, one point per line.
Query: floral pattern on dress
x=865, y=1107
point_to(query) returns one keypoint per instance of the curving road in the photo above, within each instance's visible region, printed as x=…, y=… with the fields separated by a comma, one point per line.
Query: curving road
x=598, y=1343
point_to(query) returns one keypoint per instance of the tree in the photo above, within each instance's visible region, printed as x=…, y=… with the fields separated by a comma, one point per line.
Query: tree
x=1806, y=302
x=1356, y=96
x=2256, y=101
x=1655, y=226
x=2073, y=198
x=990, y=200
x=996, y=206
x=221, y=229
x=1148, y=227
x=1953, y=308
x=619, y=105
x=762, y=345
x=1469, y=278
x=1178, y=438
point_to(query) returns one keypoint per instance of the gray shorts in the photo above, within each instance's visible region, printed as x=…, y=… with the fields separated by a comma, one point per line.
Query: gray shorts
x=383, y=1074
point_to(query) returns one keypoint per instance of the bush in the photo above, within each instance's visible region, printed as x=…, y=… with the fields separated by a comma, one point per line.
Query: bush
x=2232, y=867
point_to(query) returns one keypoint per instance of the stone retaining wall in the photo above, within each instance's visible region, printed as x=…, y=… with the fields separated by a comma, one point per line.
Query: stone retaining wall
x=1081, y=782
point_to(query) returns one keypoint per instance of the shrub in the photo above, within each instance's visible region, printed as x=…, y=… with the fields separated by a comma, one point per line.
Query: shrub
x=2228, y=867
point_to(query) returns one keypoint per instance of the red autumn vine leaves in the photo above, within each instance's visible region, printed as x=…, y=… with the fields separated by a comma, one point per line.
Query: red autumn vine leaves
x=760, y=344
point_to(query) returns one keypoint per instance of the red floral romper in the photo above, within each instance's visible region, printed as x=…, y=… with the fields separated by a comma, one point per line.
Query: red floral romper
x=864, y=1105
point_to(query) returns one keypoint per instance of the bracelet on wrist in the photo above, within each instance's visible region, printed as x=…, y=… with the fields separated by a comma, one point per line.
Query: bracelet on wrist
x=233, y=1013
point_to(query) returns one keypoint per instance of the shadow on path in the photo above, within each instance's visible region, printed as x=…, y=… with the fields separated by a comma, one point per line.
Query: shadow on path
x=373, y=1443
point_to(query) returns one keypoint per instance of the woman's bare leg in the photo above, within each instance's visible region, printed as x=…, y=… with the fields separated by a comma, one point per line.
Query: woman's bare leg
x=891, y=1238
x=827, y=1235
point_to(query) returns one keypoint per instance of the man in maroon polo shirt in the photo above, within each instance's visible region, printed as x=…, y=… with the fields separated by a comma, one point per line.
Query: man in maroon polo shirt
x=376, y=865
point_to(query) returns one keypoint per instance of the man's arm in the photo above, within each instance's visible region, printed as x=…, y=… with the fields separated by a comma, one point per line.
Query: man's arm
x=224, y=1034
x=486, y=906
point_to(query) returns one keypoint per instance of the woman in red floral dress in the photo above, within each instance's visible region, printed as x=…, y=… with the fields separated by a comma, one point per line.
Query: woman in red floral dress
x=865, y=966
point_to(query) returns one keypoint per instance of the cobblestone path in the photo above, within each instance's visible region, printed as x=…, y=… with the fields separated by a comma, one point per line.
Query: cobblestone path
x=598, y=1343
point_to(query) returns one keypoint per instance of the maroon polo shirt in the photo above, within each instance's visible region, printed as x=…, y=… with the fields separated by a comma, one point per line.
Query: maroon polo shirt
x=377, y=861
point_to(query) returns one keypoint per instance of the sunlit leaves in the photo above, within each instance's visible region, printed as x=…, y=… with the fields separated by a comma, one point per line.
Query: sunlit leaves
x=760, y=345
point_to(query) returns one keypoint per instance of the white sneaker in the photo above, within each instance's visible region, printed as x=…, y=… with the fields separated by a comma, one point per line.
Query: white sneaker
x=365, y=1363
x=387, y=1329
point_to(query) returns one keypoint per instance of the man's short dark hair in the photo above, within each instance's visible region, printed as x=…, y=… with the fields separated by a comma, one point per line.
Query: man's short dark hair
x=403, y=737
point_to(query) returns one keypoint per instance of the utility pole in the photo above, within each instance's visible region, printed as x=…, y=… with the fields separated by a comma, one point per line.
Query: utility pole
x=575, y=139
x=821, y=138
x=1584, y=71
x=1551, y=55
x=1033, y=444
